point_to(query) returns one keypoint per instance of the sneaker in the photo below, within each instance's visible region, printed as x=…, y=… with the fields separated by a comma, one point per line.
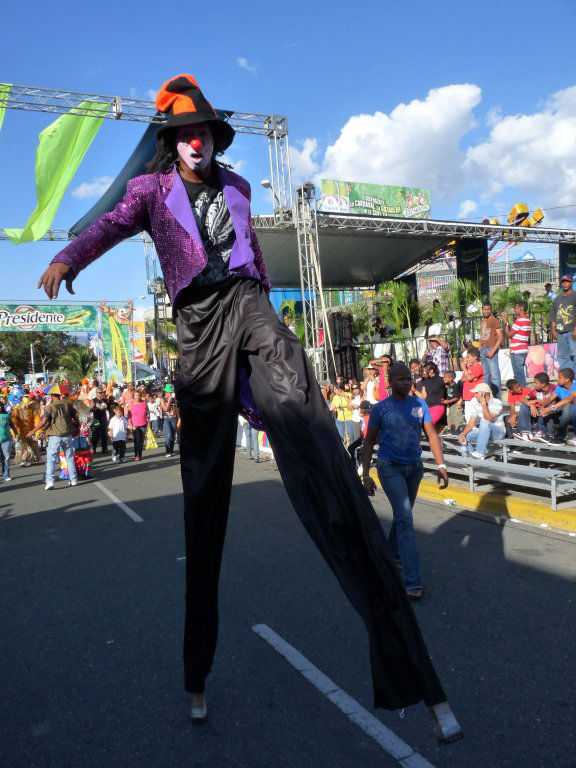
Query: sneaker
x=48, y=486
x=72, y=483
x=198, y=711
x=7, y=479
x=114, y=457
x=526, y=436
x=572, y=442
x=540, y=437
x=555, y=441
x=476, y=455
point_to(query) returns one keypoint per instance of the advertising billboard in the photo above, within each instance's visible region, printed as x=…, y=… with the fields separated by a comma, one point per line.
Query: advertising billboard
x=351, y=197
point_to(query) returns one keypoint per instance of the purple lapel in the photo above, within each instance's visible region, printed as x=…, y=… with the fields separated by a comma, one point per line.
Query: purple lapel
x=178, y=203
x=239, y=208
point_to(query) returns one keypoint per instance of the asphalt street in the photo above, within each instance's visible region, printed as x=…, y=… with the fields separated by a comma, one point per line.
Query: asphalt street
x=92, y=610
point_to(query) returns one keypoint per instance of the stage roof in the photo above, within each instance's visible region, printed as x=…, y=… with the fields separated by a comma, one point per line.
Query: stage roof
x=347, y=258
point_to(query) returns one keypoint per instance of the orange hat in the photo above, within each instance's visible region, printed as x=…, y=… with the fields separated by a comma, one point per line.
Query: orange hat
x=85, y=381
x=183, y=103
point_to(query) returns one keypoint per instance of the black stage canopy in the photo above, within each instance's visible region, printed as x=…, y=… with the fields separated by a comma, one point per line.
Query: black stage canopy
x=347, y=259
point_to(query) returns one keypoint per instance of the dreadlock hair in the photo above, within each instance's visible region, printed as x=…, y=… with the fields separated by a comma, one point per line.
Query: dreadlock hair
x=166, y=153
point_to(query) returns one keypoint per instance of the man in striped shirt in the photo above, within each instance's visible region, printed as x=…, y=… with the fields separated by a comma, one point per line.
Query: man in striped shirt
x=518, y=335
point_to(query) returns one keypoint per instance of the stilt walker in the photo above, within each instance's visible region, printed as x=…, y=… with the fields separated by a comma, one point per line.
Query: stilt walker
x=235, y=355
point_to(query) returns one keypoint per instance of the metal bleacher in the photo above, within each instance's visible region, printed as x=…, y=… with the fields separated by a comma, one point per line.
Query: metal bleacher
x=515, y=462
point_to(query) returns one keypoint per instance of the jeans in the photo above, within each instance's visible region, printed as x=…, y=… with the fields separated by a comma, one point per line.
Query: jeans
x=5, y=450
x=567, y=415
x=154, y=427
x=518, y=360
x=526, y=422
x=170, y=433
x=491, y=369
x=119, y=448
x=481, y=436
x=251, y=435
x=138, y=435
x=400, y=483
x=566, y=351
x=55, y=445
x=345, y=428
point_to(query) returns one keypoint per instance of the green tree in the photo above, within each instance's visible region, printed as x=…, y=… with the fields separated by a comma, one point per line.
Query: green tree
x=77, y=363
x=48, y=348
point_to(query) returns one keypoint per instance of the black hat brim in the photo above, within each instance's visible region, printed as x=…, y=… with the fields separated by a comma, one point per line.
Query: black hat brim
x=222, y=132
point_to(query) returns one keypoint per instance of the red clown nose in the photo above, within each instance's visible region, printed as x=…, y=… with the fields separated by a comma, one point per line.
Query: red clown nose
x=196, y=145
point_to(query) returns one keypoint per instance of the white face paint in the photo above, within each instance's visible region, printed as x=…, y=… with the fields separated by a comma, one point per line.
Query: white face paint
x=199, y=157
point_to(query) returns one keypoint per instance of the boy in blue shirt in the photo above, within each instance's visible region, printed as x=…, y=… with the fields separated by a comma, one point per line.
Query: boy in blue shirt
x=563, y=398
x=396, y=424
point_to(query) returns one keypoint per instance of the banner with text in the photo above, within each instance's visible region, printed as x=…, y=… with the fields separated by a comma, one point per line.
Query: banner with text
x=48, y=317
x=374, y=199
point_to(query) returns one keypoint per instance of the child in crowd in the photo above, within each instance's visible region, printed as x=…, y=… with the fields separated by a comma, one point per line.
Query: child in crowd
x=364, y=409
x=417, y=373
x=530, y=411
x=562, y=399
x=516, y=396
x=154, y=411
x=118, y=429
x=472, y=376
x=453, y=402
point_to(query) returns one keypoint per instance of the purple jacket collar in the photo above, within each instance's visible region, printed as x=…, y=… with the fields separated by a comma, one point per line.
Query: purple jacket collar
x=236, y=199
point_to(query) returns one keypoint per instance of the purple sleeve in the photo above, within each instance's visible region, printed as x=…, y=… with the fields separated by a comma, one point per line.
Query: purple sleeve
x=128, y=218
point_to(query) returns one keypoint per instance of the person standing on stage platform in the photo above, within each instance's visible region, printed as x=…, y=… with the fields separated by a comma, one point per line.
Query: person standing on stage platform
x=396, y=425
x=491, y=338
x=236, y=354
x=563, y=320
x=519, y=338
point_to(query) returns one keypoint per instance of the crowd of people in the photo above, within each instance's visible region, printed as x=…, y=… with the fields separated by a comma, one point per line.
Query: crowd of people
x=470, y=403
x=71, y=422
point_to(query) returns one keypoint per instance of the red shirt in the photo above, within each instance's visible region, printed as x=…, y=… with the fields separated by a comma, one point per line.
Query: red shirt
x=477, y=372
x=514, y=400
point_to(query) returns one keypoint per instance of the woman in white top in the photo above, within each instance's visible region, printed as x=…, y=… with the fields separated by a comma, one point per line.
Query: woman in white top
x=355, y=405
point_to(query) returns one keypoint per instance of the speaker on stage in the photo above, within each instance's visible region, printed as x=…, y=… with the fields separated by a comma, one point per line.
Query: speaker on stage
x=472, y=262
x=340, y=325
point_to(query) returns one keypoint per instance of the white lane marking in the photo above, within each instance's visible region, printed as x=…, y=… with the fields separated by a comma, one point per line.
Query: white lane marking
x=385, y=738
x=124, y=507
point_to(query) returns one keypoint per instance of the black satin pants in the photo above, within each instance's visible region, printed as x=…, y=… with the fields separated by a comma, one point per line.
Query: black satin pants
x=220, y=328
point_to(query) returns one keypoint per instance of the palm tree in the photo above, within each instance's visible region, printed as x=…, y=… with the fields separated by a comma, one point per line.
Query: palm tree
x=398, y=309
x=77, y=363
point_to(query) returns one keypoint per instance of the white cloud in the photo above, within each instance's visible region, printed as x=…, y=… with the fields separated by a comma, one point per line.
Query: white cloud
x=532, y=156
x=466, y=208
x=93, y=189
x=237, y=165
x=245, y=64
x=417, y=144
x=303, y=166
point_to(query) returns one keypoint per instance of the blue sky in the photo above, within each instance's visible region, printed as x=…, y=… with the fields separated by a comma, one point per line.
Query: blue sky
x=477, y=104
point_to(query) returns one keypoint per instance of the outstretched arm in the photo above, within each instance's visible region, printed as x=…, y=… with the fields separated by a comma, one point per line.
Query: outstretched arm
x=128, y=217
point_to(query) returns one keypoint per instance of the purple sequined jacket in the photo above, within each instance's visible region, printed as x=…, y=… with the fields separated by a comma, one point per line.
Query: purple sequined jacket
x=158, y=203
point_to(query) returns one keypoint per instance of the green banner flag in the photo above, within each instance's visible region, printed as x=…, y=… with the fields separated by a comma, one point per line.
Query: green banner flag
x=4, y=93
x=116, y=326
x=48, y=317
x=61, y=147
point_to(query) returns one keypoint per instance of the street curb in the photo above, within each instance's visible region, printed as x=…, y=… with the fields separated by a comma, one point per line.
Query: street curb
x=497, y=505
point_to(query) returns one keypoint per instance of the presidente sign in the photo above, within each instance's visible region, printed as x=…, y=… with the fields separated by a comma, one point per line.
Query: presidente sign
x=48, y=317
x=374, y=199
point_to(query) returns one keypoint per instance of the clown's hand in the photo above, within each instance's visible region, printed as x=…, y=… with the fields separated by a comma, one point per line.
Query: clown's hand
x=53, y=276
